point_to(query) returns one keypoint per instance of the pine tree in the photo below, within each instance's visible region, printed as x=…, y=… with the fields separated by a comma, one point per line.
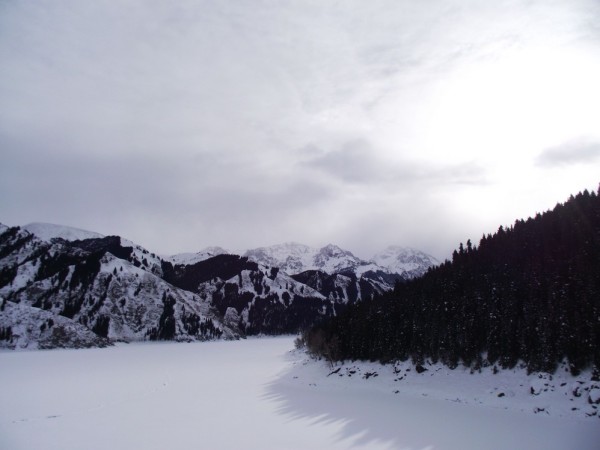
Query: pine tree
x=529, y=292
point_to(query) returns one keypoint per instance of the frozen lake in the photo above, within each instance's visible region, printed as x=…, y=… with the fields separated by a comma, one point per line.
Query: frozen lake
x=250, y=394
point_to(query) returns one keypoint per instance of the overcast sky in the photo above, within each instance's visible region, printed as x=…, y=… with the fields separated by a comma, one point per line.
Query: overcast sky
x=247, y=123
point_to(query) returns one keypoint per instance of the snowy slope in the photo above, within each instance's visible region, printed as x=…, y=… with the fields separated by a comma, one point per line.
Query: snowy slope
x=290, y=257
x=101, y=285
x=49, y=231
x=404, y=260
x=265, y=299
x=295, y=258
x=255, y=297
x=346, y=287
x=193, y=258
x=26, y=327
x=140, y=257
x=559, y=395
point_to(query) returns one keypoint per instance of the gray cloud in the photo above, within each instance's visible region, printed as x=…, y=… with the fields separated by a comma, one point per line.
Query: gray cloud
x=572, y=152
x=249, y=123
x=354, y=162
x=357, y=162
x=161, y=202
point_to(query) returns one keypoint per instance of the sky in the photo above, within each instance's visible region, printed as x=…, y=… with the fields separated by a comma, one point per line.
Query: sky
x=187, y=124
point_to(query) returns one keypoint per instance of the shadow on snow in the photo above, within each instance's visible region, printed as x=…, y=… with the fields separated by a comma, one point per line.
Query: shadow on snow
x=365, y=415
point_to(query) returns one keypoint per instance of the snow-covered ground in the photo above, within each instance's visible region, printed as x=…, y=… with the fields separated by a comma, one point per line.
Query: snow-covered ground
x=256, y=394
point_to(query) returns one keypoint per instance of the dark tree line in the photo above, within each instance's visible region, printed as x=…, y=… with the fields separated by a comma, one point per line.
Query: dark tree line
x=193, y=324
x=530, y=292
x=167, y=324
x=5, y=333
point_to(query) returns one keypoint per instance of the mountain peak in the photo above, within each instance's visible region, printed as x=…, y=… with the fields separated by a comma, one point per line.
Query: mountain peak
x=193, y=258
x=285, y=247
x=404, y=260
x=49, y=231
x=334, y=250
x=214, y=250
x=294, y=258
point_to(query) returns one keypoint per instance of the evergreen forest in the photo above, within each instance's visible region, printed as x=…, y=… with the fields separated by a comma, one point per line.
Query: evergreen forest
x=527, y=294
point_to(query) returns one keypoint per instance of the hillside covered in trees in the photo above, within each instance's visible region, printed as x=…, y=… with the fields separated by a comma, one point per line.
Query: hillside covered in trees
x=530, y=293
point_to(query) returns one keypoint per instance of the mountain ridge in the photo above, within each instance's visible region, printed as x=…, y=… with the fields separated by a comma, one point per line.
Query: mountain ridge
x=292, y=257
x=99, y=285
x=117, y=290
x=295, y=258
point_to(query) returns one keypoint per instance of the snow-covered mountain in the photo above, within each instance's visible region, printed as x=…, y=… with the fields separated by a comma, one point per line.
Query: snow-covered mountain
x=338, y=274
x=24, y=326
x=62, y=286
x=295, y=258
x=67, y=290
x=251, y=296
x=405, y=261
x=193, y=258
x=259, y=298
x=347, y=287
x=49, y=231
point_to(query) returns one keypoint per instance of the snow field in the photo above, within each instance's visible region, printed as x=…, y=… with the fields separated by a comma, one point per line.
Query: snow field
x=257, y=394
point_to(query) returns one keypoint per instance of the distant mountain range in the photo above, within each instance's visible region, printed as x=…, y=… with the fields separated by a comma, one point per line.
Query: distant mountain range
x=294, y=258
x=193, y=258
x=66, y=287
